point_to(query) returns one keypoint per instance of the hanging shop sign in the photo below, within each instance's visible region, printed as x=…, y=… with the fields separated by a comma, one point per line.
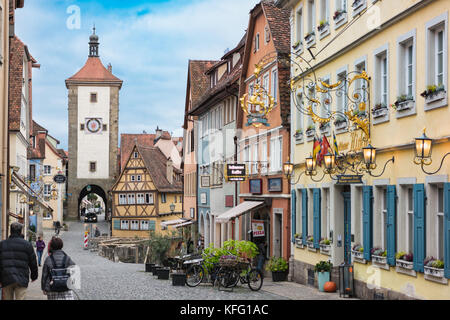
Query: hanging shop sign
x=236, y=172
x=258, y=228
x=205, y=181
x=349, y=179
x=59, y=178
x=256, y=186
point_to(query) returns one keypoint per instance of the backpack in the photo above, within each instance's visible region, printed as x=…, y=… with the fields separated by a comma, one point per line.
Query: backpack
x=59, y=277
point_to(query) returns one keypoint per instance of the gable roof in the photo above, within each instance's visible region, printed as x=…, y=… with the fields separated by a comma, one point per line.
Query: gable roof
x=128, y=141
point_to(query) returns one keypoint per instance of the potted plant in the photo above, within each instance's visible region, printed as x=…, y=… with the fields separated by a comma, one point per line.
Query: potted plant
x=358, y=251
x=404, y=260
x=309, y=36
x=379, y=110
x=310, y=242
x=434, y=267
x=404, y=102
x=325, y=245
x=310, y=130
x=324, y=126
x=296, y=45
x=322, y=25
x=434, y=93
x=278, y=267
x=379, y=255
x=338, y=14
x=298, y=240
x=323, y=269
x=356, y=4
x=298, y=133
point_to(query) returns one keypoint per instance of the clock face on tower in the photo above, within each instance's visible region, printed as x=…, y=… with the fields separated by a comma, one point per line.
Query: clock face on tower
x=94, y=125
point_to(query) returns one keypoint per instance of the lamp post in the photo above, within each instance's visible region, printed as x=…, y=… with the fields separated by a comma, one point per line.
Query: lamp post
x=370, y=157
x=288, y=171
x=423, y=148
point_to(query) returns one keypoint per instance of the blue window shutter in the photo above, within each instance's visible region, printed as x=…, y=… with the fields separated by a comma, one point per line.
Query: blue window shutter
x=391, y=224
x=293, y=211
x=419, y=226
x=304, y=214
x=447, y=230
x=116, y=224
x=316, y=217
x=367, y=220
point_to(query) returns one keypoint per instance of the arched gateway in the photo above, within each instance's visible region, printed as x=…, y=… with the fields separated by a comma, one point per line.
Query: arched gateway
x=93, y=129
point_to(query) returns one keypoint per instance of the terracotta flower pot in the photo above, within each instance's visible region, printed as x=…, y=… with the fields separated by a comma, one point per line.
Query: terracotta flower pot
x=329, y=286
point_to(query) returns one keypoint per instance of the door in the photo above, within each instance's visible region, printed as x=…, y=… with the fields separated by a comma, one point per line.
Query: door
x=347, y=228
x=277, y=234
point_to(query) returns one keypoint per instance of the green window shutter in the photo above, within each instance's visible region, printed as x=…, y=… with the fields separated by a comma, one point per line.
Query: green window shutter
x=316, y=218
x=304, y=215
x=447, y=230
x=391, y=196
x=293, y=212
x=367, y=220
x=116, y=224
x=151, y=225
x=419, y=226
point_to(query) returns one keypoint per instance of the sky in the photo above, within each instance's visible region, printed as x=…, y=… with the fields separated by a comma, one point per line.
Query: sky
x=147, y=42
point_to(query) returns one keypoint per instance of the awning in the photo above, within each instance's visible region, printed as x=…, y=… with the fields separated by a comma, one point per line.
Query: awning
x=25, y=188
x=172, y=222
x=239, y=210
x=184, y=224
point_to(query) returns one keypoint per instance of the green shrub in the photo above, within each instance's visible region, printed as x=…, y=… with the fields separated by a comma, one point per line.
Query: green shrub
x=323, y=266
x=277, y=264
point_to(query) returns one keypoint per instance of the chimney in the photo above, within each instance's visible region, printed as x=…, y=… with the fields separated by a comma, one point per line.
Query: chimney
x=110, y=67
x=170, y=171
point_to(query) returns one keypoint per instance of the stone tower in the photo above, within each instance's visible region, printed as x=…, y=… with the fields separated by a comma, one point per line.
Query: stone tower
x=93, y=95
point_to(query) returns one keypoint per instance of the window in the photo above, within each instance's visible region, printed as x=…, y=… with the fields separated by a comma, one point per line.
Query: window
x=255, y=159
x=274, y=86
x=266, y=87
x=361, y=84
x=92, y=166
x=299, y=31
x=140, y=198
x=192, y=140
x=256, y=42
x=32, y=172
x=144, y=225
x=275, y=153
x=131, y=198
x=149, y=198
x=47, y=190
x=122, y=199
x=264, y=157
x=47, y=170
x=124, y=225
x=324, y=10
x=324, y=108
x=163, y=198
x=133, y=178
x=381, y=76
x=139, y=177
x=311, y=16
x=340, y=97
x=93, y=97
x=406, y=64
x=105, y=127
x=134, y=225
x=341, y=5
x=247, y=155
x=82, y=127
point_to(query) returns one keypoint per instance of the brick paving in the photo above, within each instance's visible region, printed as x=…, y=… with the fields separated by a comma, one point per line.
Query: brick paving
x=102, y=279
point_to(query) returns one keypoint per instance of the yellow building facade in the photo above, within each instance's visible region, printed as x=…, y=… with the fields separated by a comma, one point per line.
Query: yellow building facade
x=399, y=212
x=147, y=194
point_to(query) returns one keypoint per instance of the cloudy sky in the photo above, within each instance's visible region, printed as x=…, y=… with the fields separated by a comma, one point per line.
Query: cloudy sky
x=148, y=43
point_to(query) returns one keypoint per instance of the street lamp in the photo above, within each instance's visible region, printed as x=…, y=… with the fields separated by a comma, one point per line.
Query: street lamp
x=310, y=166
x=370, y=154
x=288, y=170
x=423, y=148
x=172, y=207
x=329, y=160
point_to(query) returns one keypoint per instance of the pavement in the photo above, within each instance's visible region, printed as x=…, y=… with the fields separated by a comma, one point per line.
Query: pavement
x=102, y=279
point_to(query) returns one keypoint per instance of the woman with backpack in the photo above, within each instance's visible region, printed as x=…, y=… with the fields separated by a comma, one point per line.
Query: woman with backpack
x=55, y=273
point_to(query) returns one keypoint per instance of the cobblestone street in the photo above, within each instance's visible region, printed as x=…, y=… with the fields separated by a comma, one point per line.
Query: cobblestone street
x=102, y=279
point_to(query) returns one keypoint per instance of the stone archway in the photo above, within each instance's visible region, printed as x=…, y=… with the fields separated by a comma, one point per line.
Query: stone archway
x=95, y=190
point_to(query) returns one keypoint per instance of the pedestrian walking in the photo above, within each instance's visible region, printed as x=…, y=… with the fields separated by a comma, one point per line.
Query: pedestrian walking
x=40, y=246
x=57, y=227
x=57, y=261
x=261, y=258
x=17, y=260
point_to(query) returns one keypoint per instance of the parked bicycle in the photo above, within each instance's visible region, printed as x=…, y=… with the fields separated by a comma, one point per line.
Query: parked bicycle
x=197, y=270
x=233, y=269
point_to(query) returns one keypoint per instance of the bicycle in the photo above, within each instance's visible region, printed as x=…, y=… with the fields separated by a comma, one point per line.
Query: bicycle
x=234, y=270
x=197, y=270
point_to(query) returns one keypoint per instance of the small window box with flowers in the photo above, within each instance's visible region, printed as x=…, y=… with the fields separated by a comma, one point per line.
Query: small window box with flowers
x=298, y=135
x=310, y=131
x=309, y=38
x=325, y=246
x=380, y=110
x=339, y=16
x=379, y=258
x=357, y=6
x=434, y=270
x=404, y=263
x=434, y=93
x=310, y=243
x=340, y=123
x=297, y=45
x=323, y=127
x=403, y=103
x=358, y=253
x=323, y=27
x=298, y=241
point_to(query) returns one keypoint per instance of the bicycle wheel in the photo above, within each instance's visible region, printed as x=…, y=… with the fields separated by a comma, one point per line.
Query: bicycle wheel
x=194, y=275
x=227, y=277
x=255, y=279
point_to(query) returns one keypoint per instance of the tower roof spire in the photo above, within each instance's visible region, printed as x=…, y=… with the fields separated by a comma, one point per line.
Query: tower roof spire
x=93, y=44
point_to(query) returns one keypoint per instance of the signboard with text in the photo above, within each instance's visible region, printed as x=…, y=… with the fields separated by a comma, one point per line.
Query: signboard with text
x=349, y=179
x=236, y=172
x=258, y=228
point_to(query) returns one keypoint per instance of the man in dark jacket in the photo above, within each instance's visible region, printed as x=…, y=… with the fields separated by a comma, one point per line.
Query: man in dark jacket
x=17, y=259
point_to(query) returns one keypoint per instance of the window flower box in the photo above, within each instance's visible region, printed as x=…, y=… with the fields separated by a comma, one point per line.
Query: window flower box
x=323, y=28
x=435, y=272
x=310, y=132
x=297, y=45
x=324, y=127
x=379, y=259
x=299, y=243
x=403, y=103
x=357, y=4
x=310, y=244
x=309, y=38
x=298, y=135
x=404, y=264
x=339, y=16
x=380, y=110
x=325, y=249
x=434, y=93
x=358, y=253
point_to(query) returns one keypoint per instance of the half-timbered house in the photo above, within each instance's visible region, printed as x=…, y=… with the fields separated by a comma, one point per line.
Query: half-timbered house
x=148, y=194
